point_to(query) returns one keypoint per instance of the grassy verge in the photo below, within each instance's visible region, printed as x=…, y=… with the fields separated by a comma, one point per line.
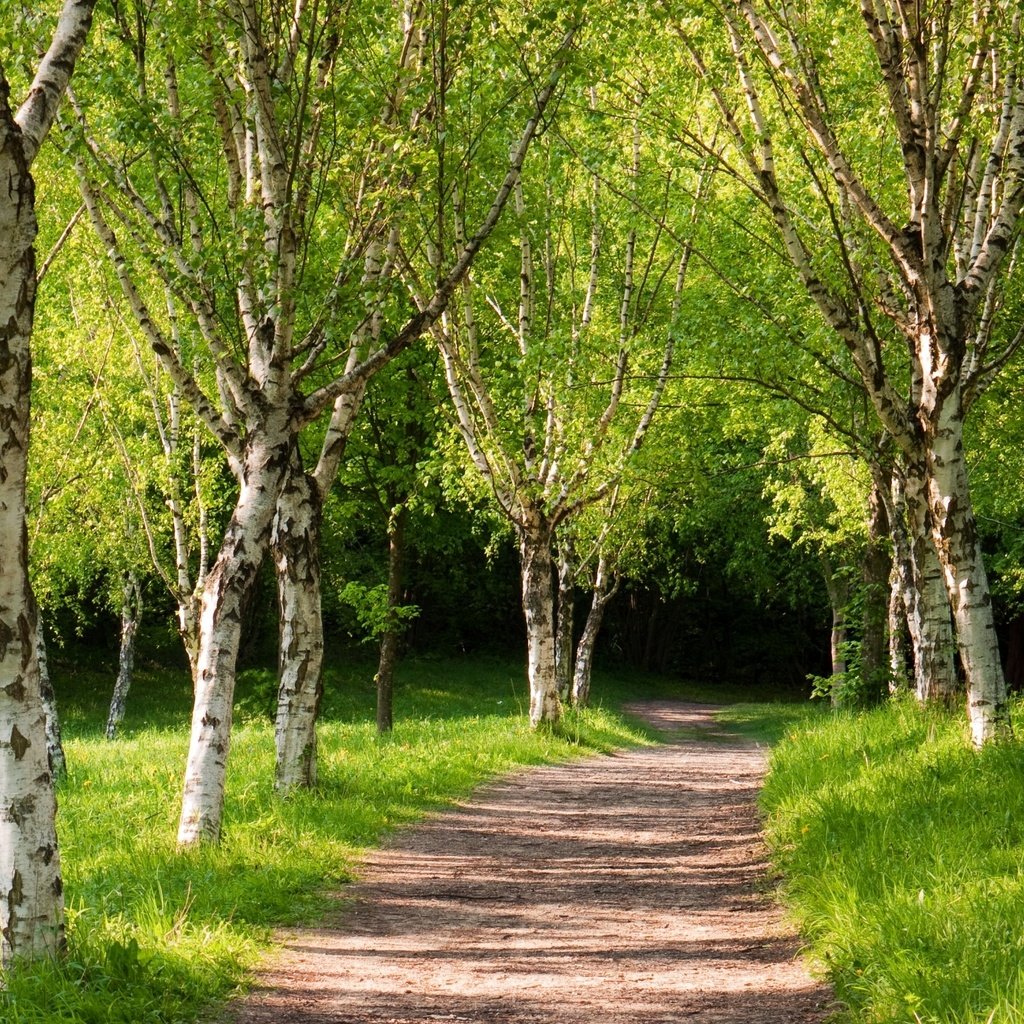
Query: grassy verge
x=155, y=936
x=902, y=852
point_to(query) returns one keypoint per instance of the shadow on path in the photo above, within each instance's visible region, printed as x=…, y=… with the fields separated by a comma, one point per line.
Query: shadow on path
x=616, y=889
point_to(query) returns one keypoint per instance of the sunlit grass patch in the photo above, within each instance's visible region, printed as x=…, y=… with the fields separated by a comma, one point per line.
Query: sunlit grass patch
x=902, y=854
x=156, y=935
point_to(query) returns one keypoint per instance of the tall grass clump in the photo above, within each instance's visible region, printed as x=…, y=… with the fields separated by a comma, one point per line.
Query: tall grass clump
x=902, y=854
x=156, y=935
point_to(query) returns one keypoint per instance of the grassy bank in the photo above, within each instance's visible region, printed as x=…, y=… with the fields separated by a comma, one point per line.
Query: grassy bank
x=154, y=935
x=902, y=852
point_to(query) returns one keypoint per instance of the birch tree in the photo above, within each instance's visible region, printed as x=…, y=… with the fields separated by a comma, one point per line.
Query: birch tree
x=276, y=311
x=908, y=263
x=555, y=385
x=603, y=548
x=31, y=891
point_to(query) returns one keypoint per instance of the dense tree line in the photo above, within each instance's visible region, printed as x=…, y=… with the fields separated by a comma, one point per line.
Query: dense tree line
x=685, y=307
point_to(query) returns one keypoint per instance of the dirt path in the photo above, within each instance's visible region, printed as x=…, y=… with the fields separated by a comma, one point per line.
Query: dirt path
x=611, y=890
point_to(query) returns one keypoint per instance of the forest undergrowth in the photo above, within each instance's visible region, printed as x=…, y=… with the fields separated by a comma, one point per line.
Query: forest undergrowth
x=900, y=852
x=157, y=936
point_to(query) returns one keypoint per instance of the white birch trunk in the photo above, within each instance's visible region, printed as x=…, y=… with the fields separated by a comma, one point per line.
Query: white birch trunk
x=896, y=631
x=839, y=598
x=241, y=552
x=902, y=599
x=963, y=172
x=295, y=544
x=876, y=568
x=31, y=889
x=564, y=625
x=538, y=608
x=54, y=743
x=31, y=900
x=928, y=612
x=956, y=539
x=600, y=597
x=131, y=611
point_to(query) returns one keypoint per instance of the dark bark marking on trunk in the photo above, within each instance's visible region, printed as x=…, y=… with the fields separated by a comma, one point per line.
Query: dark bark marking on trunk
x=6, y=636
x=22, y=809
x=19, y=744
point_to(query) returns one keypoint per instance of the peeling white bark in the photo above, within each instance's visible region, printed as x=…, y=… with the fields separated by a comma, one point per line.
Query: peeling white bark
x=956, y=540
x=538, y=606
x=54, y=743
x=31, y=890
x=131, y=613
x=602, y=592
x=943, y=267
x=242, y=550
x=295, y=545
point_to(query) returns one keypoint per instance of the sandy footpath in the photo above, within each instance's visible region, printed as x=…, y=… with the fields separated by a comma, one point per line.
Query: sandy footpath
x=627, y=889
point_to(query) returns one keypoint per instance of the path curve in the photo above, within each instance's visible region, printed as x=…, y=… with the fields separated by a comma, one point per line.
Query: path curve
x=623, y=889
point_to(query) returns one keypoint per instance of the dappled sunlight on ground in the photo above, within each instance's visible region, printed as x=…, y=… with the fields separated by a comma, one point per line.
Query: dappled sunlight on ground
x=627, y=888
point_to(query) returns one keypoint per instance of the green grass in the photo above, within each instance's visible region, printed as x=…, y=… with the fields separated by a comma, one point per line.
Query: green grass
x=902, y=853
x=157, y=936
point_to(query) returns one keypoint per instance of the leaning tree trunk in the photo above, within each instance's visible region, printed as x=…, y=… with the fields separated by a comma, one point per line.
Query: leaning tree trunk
x=601, y=595
x=393, y=631
x=538, y=607
x=241, y=552
x=131, y=612
x=956, y=540
x=928, y=611
x=296, y=548
x=31, y=901
x=564, y=625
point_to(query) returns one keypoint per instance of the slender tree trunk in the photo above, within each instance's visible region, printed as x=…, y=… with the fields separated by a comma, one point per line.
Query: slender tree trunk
x=896, y=632
x=956, y=540
x=601, y=595
x=839, y=598
x=241, y=552
x=928, y=614
x=54, y=743
x=538, y=608
x=187, y=593
x=31, y=890
x=31, y=901
x=392, y=637
x=188, y=610
x=296, y=548
x=876, y=568
x=131, y=612
x=903, y=618
x=564, y=624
